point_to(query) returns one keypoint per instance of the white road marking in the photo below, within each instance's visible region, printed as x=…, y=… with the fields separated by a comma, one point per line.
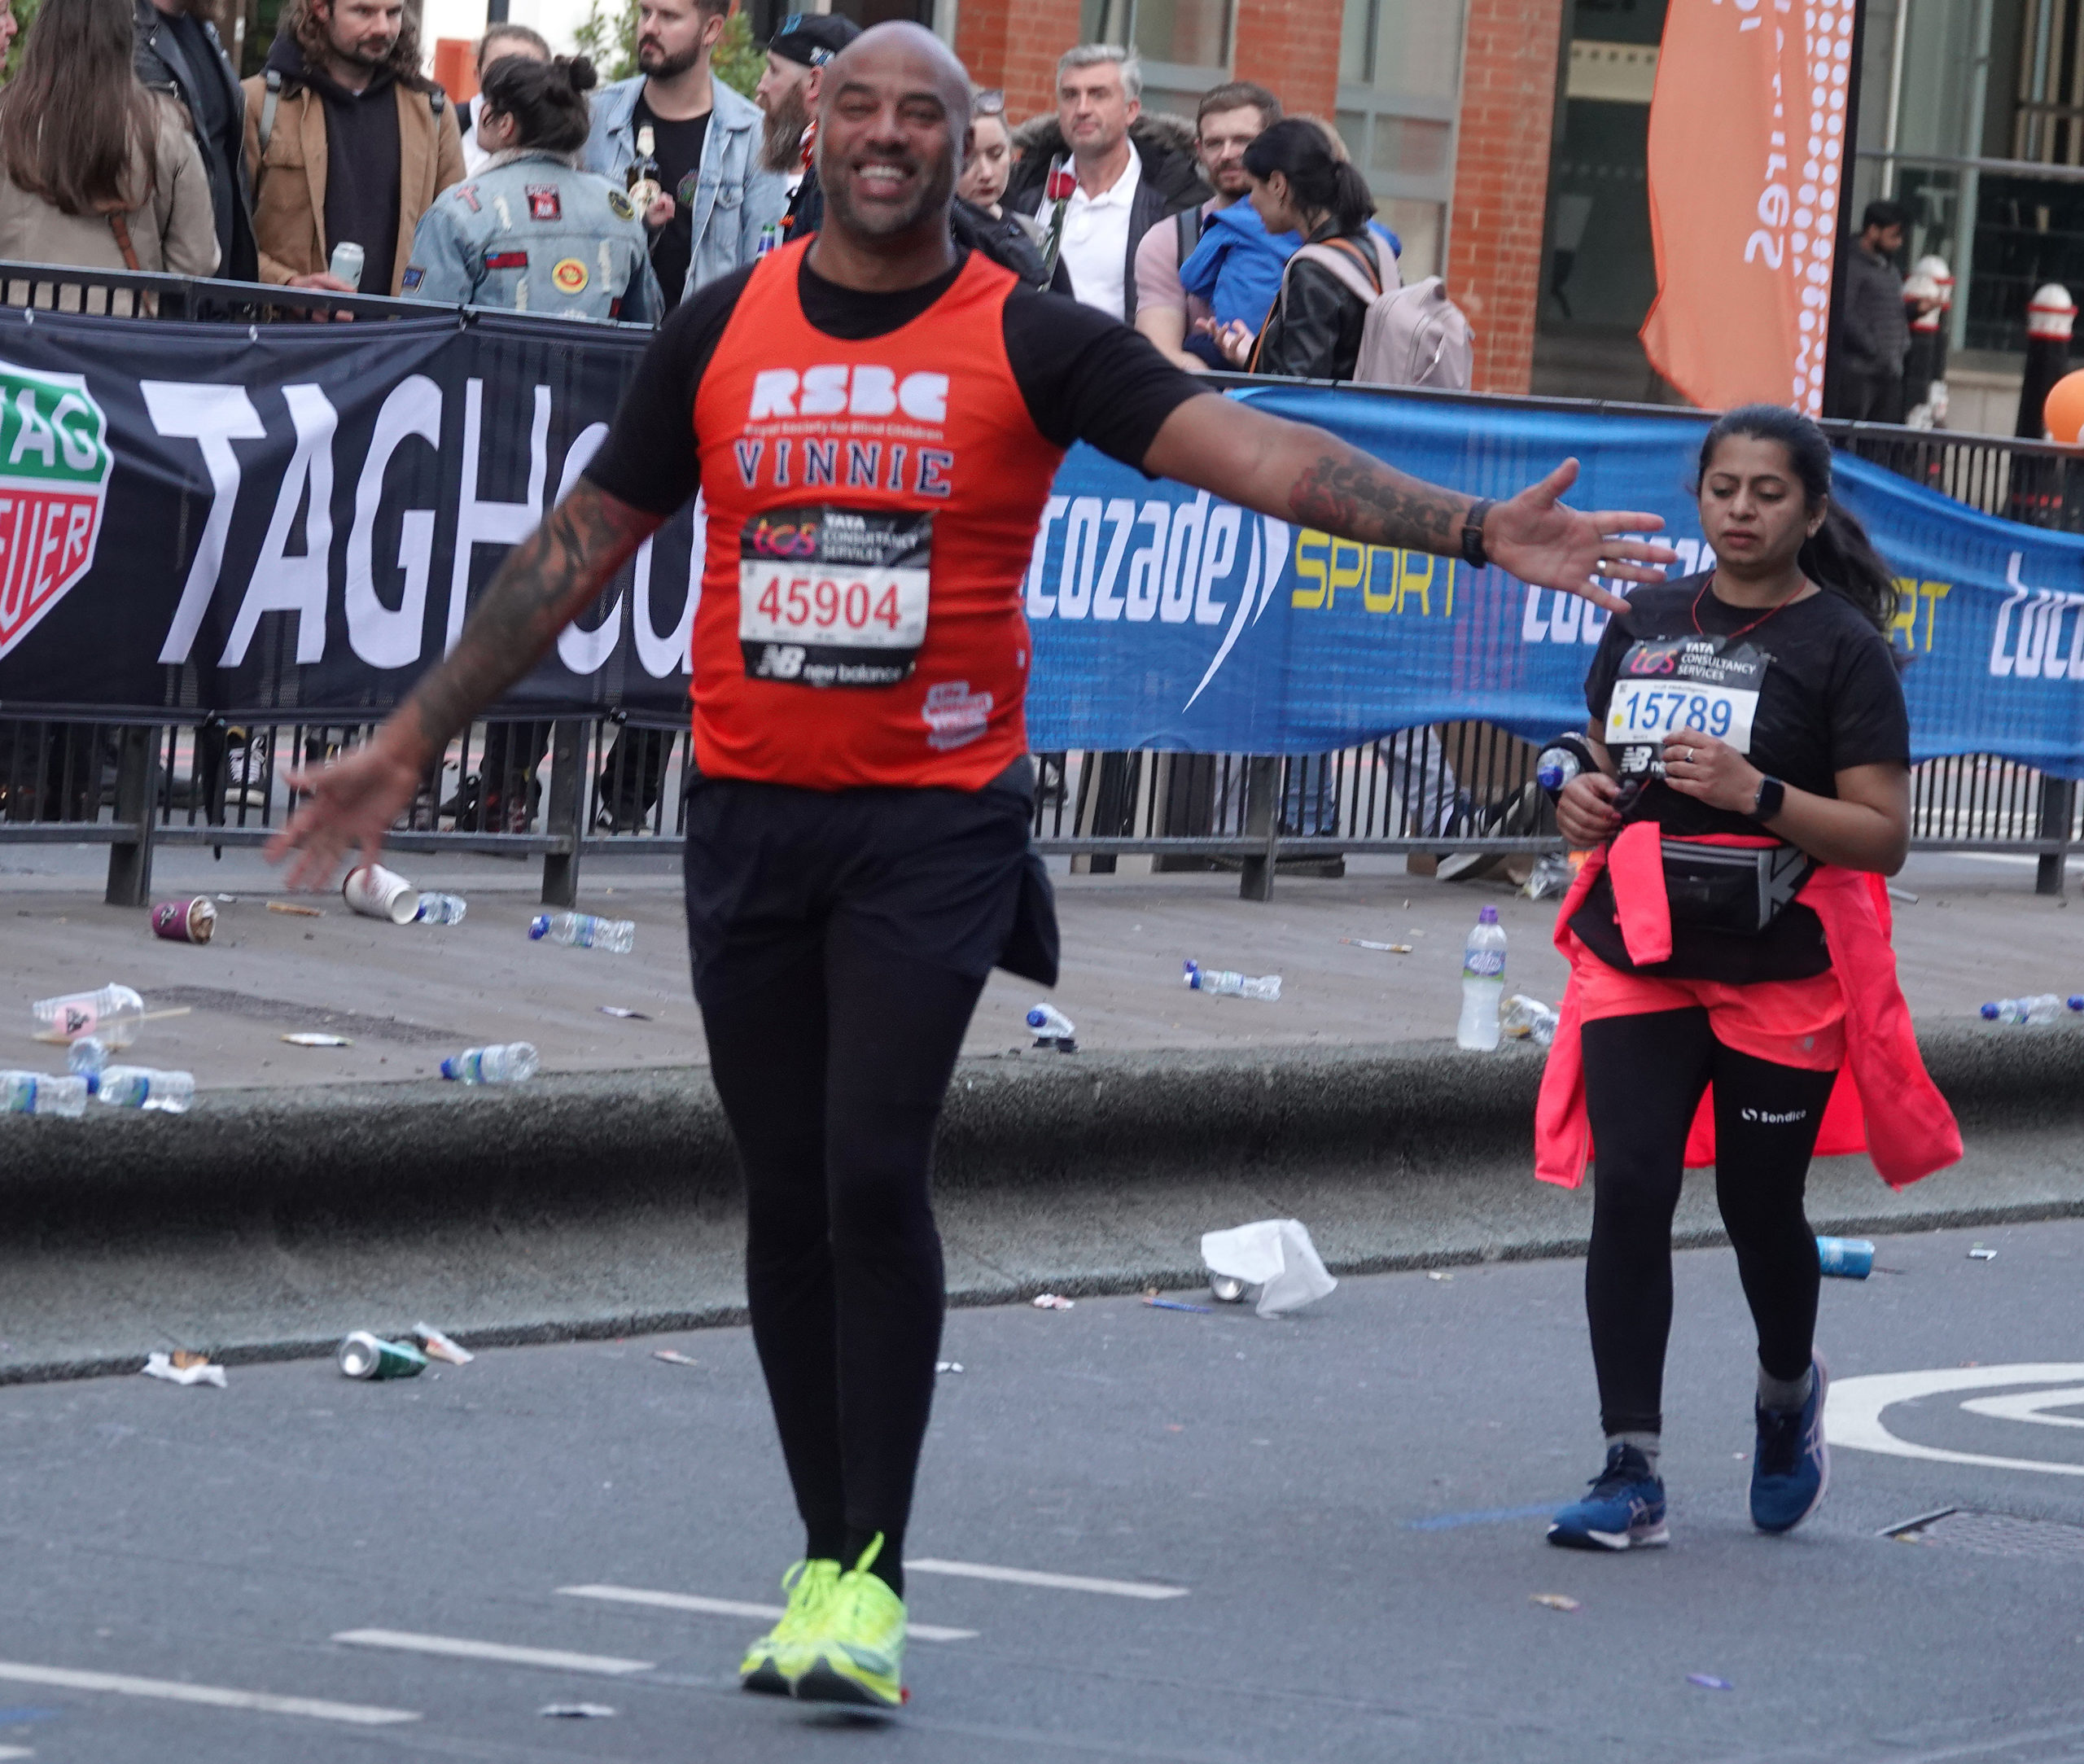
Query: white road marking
x=459, y=1648
x=1030, y=1577
x=689, y=1601
x=173, y=1691
x=1853, y=1411
x=2028, y=1406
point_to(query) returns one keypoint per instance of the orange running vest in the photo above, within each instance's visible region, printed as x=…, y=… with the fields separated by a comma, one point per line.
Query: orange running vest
x=872, y=508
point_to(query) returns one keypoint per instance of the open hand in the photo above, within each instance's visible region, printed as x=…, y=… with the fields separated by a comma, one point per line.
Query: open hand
x=1536, y=538
x=354, y=800
x=1584, y=813
x=1696, y=764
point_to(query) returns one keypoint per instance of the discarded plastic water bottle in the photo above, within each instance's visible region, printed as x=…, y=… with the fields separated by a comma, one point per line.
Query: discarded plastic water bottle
x=39, y=1093
x=1525, y=1019
x=511, y=1062
x=441, y=910
x=113, y=1013
x=139, y=1086
x=2042, y=1008
x=1052, y=1028
x=86, y=1056
x=1483, y=982
x=1851, y=1258
x=1227, y=983
x=584, y=932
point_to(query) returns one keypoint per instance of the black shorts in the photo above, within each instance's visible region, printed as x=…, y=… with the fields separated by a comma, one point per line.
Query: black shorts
x=936, y=875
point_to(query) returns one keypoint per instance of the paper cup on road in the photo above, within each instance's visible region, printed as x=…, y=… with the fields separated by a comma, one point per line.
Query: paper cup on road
x=377, y=893
x=185, y=921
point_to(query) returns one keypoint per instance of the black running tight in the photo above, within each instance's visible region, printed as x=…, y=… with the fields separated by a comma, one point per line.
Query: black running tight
x=1643, y=1077
x=832, y=1068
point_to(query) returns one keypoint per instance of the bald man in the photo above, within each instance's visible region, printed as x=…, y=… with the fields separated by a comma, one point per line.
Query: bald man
x=875, y=417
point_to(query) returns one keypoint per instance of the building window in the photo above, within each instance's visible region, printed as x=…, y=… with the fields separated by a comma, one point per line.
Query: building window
x=1399, y=84
x=1184, y=44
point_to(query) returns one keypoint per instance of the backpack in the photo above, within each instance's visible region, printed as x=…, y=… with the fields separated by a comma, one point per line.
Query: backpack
x=1412, y=336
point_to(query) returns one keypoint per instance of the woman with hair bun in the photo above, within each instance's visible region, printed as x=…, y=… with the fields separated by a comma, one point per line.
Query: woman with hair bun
x=1300, y=184
x=533, y=232
x=1729, y=930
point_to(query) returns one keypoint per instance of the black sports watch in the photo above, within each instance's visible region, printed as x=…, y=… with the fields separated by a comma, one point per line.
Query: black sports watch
x=1472, y=552
x=1772, y=797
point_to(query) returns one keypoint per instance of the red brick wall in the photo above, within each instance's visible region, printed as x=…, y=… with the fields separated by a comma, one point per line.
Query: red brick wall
x=1014, y=44
x=1291, y=46
x=1501, y=181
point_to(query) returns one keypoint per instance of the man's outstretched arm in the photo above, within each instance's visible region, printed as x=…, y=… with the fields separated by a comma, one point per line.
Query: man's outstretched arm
x=1296, y=472
x=548, y=580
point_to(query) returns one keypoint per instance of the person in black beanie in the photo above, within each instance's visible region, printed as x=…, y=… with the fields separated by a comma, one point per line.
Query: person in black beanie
x=788, y=93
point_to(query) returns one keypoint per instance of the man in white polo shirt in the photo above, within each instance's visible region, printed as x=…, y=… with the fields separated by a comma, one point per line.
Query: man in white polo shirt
x=1130, y=173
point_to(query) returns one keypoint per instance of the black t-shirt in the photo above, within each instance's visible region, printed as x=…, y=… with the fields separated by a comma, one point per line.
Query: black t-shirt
x=1084, y=376
x=1829, y=699
x=678, y=148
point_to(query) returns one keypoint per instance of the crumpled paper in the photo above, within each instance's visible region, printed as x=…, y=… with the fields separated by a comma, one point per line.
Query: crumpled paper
x=161, y=1366
x=1275, y=1255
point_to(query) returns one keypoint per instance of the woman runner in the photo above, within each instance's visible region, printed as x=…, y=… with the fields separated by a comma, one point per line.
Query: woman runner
x=1753, y=746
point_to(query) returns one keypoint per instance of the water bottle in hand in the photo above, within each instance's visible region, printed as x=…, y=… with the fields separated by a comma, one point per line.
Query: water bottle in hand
x=441, y=910
x=511, y=1062
x=1227, y=983
x=1483, y=982
x=584, y=932
x=139, y=1086
x=38, y=1093
x=2042, y=1008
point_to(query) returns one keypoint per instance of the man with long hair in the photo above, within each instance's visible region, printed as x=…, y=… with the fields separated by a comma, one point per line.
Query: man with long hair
x=179, y=54
x=346, y=143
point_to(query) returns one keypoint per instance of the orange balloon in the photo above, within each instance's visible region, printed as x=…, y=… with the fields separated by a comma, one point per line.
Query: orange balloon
x=2063, y=413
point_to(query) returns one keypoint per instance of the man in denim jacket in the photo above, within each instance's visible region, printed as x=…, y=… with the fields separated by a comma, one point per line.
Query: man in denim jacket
x=716, y=196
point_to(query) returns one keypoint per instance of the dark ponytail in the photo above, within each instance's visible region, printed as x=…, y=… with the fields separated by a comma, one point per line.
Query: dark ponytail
x=1839, y=557
x=546, y=98
x=1318, y=179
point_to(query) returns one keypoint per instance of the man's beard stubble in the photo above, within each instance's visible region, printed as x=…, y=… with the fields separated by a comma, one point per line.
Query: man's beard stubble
x=662, y=66
x=781, y=134
x=936, y=189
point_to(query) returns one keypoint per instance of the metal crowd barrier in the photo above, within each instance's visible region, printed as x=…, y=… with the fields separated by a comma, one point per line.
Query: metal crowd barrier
x=570, y=789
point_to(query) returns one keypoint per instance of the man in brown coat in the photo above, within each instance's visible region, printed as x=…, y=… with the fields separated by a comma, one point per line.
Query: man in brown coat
x=346, y=141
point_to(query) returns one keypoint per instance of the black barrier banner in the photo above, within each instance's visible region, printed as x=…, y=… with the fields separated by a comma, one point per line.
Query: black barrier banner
x=297, y=517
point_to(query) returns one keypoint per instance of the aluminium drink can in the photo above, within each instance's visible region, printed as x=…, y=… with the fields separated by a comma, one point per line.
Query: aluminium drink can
x=1850, y=1257
x=347, y=263
x=364, y=1356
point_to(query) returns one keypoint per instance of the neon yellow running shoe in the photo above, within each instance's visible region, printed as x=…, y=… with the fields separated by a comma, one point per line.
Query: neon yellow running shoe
x=857, y=1652
x=772, y=1664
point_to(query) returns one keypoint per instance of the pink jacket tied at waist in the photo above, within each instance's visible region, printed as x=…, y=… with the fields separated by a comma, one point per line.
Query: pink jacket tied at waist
x=1885, y=1103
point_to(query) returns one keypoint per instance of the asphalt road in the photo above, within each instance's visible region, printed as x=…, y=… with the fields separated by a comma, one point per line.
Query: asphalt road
x=1351, y=1500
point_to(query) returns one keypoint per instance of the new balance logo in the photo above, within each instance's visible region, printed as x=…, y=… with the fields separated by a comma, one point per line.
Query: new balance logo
x=865, y=391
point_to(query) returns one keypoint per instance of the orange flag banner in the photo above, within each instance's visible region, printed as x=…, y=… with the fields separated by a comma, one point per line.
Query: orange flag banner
x=1747, y=147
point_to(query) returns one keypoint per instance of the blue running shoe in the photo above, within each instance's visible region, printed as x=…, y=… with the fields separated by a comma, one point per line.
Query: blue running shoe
x=1791, y=1468
x=1624, y=1511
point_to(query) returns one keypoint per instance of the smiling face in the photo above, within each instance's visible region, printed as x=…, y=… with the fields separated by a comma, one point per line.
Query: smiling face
x=1753, y=510
x=895, y=122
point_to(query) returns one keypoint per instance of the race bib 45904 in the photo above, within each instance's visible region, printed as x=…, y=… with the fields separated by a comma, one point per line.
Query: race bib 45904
x=834, y=597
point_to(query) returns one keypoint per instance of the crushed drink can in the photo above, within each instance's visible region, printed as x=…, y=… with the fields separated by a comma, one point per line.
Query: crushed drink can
x=347, y=263
x=185, y=921
x=364, y=1356
x=1850, y=1257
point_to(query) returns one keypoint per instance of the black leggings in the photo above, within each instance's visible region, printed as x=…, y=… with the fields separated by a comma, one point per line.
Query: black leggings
x=1643, y=1077
x=832, y=1073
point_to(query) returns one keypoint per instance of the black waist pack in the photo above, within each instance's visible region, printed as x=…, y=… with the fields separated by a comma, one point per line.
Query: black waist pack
x=1735, y=888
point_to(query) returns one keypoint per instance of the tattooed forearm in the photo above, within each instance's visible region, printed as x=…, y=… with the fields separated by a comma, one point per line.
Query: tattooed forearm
x=546, y=582
x=1356, y=497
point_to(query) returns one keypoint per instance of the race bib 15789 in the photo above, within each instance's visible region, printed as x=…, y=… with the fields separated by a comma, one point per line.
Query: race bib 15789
x=1669, y=686
x=834, y=597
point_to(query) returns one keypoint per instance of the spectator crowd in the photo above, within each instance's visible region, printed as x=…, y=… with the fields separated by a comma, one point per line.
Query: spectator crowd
x=1239, y=239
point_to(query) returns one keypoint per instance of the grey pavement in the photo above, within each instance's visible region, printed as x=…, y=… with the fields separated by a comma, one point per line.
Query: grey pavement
x=406, y=996
x=1350, y=1499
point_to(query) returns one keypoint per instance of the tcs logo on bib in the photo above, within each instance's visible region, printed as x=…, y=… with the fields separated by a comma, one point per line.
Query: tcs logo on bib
x=838, y=390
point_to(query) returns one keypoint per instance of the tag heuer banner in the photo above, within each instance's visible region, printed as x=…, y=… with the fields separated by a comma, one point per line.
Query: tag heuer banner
x=293, y=520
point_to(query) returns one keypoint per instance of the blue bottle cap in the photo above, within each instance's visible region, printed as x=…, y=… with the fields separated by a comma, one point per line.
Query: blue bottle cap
x=1488, y=916
x=1037, y=1017
x=539, y=927
x=2077, y=1001
x=1989, y=1012
x=449, y=1068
